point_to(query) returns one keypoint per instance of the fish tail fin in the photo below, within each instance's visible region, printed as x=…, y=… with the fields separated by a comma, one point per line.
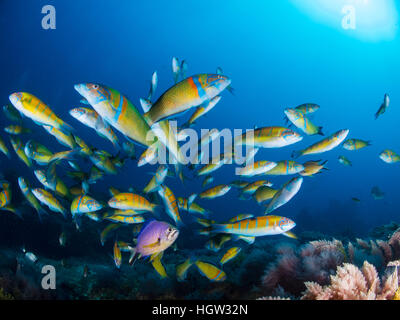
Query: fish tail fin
x=66, y=128
x=147, y=118
x=41, y=212
x=191, y=198
x=132, y=256
x=320, y=131
x=205, y=231
x=369, y=143
x=63, y=155
x=85, y=186
x=231, y=90
x=14, y=210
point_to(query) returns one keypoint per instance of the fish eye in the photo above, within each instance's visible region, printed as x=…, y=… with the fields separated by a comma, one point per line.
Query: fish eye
x=95, y=86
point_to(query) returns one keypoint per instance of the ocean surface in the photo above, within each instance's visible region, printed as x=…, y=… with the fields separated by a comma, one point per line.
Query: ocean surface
x=278, y=54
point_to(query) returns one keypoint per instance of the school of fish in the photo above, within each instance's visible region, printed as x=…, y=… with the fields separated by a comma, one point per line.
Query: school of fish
x=156, y=214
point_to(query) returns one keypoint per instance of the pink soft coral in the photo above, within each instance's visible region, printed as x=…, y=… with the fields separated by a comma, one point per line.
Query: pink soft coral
x=351, y=283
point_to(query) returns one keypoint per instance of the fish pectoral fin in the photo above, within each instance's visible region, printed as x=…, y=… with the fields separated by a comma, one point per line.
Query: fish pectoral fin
x=153, y=245
x=290, y=234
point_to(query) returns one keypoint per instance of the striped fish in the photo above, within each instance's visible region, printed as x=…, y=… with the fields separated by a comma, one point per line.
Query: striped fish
x=256, y=168
x=254, y=227
x=210, y=271
x=324, y=145
x=125, y=219
x=39, y=112
x=190, y=92
x=301, y=122
x=285, y=194
x=117, y=111
x=284, y=168
x=171, y=204
x=93, y=120
x=307, y=108
x=230, y=254
x=269, y=137
x=84, y=204
x=217, y=191
x=19, y=150
x=125, y=201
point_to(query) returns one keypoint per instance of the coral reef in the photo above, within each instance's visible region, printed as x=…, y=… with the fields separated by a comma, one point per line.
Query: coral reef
x=318, y=269
x=351, y=283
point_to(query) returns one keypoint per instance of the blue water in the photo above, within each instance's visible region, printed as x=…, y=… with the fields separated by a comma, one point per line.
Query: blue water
x=277, y=56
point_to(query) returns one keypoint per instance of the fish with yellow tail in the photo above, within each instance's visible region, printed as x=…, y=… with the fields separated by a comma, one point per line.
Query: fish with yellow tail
x=252, y=187
x=389, y=156
x=163, y=131
x=33, y=108
x=65, y=139
x=264, y=193
x=16, y=129
x=126, y=200
x=268, y=137
x=49, y=200
x=383, y=107
x=190, y=92
x=230, y=254
x=324, y=145
x=188, y=205
x=125, y=219
x=211, y=167
x=155, y=237
x=117, y=111
x=210, y=271
x=11, y=113
x=4, y=149
x=6, y=197
x=253, y=227
x=307, y=108
x=157, y=265
x=52, y=182
x=284, y=168
x=107, y=231
x=285, y=194
x=344, y=161
x=117, y=255
x=84, y=204
x=103, y=162
x=256, y=168
x=201, y=111
x=171, y=204
x=38, y=152
x=183, y=268
x=18, y=147
x=93, y=120
x=216, y=242
x=311, y=168
x=26, y=191
x=355, y=144
x=301, y=122
x=214, y=192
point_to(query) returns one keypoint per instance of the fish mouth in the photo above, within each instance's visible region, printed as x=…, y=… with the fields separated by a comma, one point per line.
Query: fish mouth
x=15, y=97
x=79, y=87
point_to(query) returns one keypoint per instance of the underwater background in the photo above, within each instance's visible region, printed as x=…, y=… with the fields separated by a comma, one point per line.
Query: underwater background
x=278, y=54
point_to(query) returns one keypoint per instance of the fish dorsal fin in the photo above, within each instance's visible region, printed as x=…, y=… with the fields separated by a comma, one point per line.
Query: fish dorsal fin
x=146, y=104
